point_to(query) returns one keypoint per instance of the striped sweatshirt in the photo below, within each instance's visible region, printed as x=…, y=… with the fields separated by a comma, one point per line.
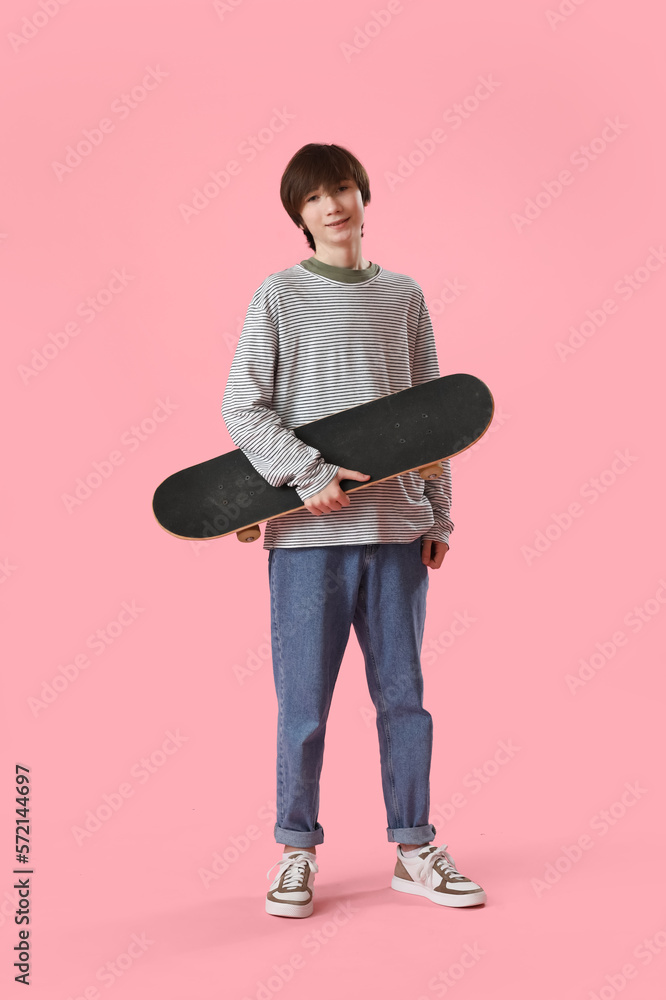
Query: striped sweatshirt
x=318, y=339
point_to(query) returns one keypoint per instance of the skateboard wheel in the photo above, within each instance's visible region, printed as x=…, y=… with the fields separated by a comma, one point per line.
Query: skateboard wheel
x=248, y=534
x=431, y=471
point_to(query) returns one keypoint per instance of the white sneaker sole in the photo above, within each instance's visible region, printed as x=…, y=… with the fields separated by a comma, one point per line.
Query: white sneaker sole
x=289, y=909
x=444, y=899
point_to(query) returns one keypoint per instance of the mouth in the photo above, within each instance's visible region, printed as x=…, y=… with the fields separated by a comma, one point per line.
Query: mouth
x=341, y=222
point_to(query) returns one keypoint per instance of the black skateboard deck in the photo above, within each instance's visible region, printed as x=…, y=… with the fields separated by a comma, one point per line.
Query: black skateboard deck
x=414, y=429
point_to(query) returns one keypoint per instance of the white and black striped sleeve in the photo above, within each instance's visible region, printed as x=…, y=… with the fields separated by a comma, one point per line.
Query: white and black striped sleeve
x=438, y=491
x=254, y=426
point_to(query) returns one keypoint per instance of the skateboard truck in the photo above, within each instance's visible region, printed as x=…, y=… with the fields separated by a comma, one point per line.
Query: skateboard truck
x=250, y=534
x=431, y=471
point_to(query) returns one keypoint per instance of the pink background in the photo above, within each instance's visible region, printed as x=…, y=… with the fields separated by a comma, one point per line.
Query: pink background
x=572, y=897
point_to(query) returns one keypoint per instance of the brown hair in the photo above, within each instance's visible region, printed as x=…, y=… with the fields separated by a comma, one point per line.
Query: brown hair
x=319, y=165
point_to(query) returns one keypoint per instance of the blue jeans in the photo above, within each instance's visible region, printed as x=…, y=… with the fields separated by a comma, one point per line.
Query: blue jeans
x=317, y=593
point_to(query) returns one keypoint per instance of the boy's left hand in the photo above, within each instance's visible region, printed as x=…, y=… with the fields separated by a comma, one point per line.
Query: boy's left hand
x=433, y=552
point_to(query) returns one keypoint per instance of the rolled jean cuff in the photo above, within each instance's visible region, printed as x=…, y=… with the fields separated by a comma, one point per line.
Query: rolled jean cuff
x=297, y=838
x=413, y=835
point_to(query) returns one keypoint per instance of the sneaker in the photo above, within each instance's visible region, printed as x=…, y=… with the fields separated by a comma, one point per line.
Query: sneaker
x=433, y=873
x=290, y=894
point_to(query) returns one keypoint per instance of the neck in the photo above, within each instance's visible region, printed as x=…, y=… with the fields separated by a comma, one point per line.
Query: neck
x=342, y=258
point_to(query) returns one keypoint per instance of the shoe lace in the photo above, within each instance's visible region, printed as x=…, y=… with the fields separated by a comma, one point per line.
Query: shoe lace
x=296, y=866
x=439, y=854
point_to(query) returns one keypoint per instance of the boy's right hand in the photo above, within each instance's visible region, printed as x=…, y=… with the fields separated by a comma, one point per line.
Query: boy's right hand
x=332, y=497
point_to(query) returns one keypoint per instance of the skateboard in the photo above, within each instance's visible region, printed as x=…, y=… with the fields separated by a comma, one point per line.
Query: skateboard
x=413, y=429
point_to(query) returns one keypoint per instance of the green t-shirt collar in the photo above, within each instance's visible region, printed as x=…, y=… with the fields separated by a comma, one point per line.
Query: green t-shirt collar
x=346, y=274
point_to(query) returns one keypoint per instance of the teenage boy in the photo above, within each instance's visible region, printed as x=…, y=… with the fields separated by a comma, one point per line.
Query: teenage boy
x=329, y=333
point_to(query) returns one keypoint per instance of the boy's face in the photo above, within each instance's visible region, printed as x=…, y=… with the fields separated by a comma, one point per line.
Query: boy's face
x=320, y=211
